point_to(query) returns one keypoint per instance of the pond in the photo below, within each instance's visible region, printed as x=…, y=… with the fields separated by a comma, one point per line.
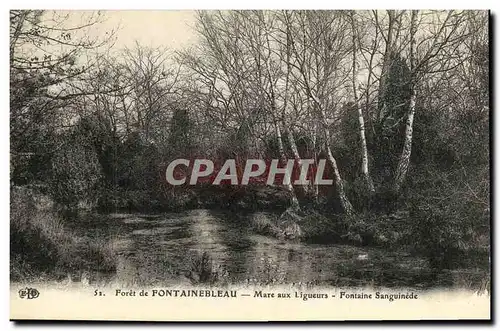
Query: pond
x=167, y=249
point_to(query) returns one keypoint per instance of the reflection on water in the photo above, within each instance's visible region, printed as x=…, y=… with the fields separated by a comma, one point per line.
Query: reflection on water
x=162, y=249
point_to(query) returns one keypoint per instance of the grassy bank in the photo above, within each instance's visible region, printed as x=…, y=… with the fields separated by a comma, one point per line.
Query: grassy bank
x=42, y=248
x=311, y=225
x=445, y=241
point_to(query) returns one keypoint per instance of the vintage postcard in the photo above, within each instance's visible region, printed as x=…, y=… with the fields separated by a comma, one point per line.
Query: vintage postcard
x=250, y=165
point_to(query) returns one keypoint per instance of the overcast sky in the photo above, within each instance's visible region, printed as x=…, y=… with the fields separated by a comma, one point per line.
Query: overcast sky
x=173, y=29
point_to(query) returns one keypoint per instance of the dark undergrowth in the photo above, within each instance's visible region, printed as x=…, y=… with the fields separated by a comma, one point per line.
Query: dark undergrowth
x=244, y=198
x=41, y=248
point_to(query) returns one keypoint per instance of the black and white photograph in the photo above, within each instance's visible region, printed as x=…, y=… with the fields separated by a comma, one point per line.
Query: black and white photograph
x=253, y=157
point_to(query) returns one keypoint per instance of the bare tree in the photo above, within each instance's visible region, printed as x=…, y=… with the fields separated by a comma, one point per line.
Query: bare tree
x=319, y=47
x=362, y=137
x=154, y=82
x=47, y=57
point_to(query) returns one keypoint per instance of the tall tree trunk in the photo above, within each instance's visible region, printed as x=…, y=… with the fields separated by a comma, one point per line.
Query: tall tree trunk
x=404, y=159
x=296, y=156
x=293, y=146
x=362, y=136
x=339, y=184
x=386, y=65
x=293, y=197
x=344, y=201
x=315, y=186
x=364, y=152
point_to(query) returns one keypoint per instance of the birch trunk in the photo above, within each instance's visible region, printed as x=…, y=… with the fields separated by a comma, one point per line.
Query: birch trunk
x=364, y=152
x=267, y=66
x=386, y=64
x=364, y=149
x=315, y=187
x=339, y=184
x=344, y=201
x=296, y=156
x=293, y=197
x=404, y=159
x=293, y=146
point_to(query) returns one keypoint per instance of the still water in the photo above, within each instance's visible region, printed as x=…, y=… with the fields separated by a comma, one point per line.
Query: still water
x=165, y=249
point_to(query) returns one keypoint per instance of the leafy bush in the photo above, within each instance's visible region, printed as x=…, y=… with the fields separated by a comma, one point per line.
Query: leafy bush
x=75, y=173
x=450, y=224
x=358, y=193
